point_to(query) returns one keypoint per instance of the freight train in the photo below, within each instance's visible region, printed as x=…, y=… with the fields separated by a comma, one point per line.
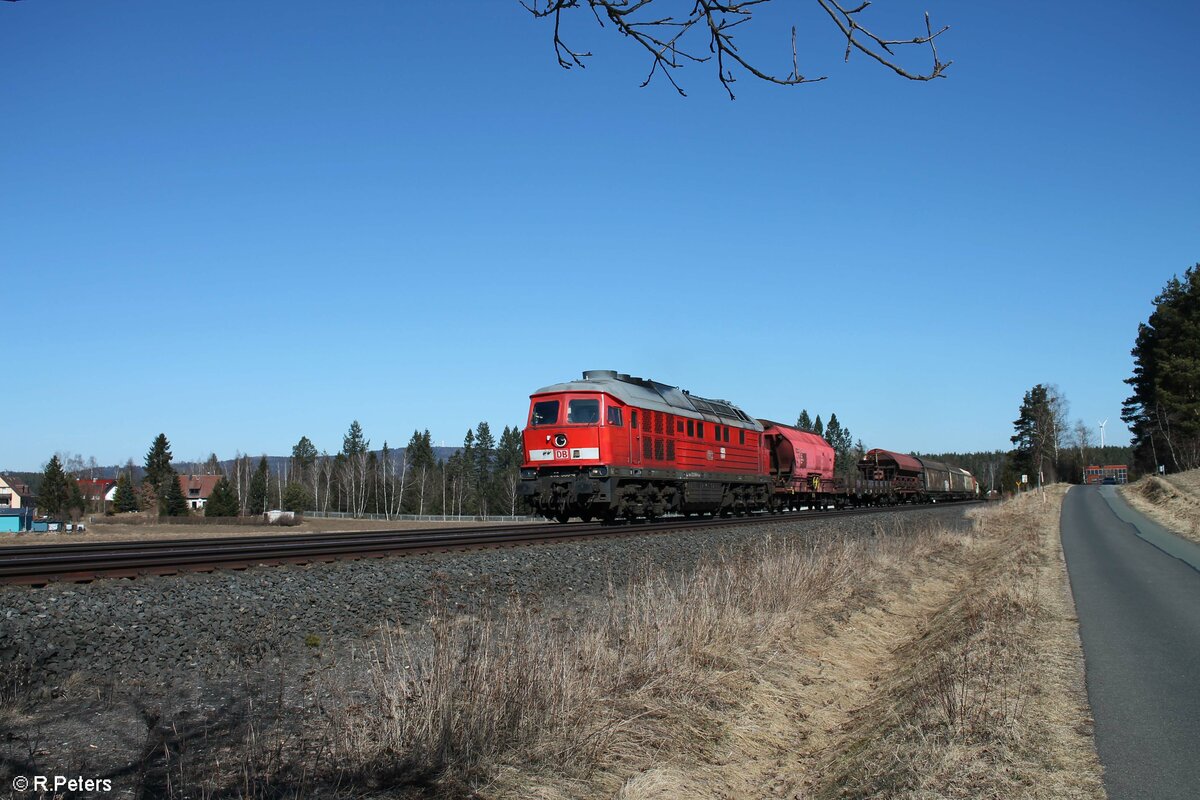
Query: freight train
x=612, y=446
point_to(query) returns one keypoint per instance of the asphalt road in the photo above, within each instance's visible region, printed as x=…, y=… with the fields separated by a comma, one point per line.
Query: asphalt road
x=1137, y=593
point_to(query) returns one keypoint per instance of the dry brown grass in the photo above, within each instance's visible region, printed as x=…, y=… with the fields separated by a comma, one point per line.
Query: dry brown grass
x=925, y=665
x=989, y=700
x=1173, y=502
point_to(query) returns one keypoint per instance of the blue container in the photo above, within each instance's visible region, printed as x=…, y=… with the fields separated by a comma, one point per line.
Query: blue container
x=13, y=520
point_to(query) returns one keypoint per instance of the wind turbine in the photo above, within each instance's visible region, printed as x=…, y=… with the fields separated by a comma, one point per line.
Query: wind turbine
x=1102, y=424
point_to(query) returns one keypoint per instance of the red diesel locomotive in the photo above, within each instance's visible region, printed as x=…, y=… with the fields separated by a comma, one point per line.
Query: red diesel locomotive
x=611, y=445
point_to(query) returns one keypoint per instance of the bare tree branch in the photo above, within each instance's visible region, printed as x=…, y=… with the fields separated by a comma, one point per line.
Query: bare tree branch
x=662, y=36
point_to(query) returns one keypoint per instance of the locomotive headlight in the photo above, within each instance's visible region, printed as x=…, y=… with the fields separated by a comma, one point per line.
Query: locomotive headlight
x=560, y=440
x=598, y=472
x=528, y=473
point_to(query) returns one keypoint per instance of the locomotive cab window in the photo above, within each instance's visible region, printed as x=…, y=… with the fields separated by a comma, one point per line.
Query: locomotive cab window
x=691, y=428
x=583, y=412
x=544, y=413
x=741, y=436
x=633, y=419
x=614, y=416
x=700, y=429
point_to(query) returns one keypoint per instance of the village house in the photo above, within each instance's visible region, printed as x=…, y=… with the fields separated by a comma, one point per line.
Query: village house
x=197, y=488
x=98, y=492
x=14, y=494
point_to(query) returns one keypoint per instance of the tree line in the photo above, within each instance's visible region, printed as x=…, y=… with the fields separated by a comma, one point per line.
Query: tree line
x=479, y=478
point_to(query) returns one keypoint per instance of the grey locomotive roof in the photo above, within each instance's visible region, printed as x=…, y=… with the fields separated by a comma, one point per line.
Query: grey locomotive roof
x=657, y=397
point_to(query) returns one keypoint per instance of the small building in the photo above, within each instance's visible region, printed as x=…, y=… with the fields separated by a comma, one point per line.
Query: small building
x=14, y=494
x=15, y=520
x=1119, y=473
x=197, y=488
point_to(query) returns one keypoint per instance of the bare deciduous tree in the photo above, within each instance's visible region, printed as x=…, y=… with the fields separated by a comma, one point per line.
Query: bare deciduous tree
x=671, y=31
x=1082, y=439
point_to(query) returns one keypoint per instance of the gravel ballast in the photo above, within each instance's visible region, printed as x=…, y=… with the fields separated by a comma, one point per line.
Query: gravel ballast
x=144, y=633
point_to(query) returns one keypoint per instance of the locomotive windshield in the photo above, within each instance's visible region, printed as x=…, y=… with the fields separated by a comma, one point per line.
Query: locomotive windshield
x=583, y=412
x=544, y=413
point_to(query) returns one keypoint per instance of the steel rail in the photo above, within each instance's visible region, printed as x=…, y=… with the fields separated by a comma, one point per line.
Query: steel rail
x=80, y=562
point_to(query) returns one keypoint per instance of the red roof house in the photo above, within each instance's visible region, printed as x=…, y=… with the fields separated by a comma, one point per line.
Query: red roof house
x=197, y=488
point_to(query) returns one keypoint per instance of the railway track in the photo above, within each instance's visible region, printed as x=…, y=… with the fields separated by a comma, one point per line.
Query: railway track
x=38, y=565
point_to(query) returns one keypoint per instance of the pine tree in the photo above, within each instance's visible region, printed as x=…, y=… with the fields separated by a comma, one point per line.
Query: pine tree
x=54, y=494
x=464, y=470
x=158, y=465
x=76, y=504
x=511, y=450
x=304, y=453
x=833, y=432
x=172, y=503
x=257, y=502
x=420, y=472
x=1034, y=437
x=223, y=502
x=296, y=498
x=125, y=498
x=804, y=422
x=1164, y=410
x=485, y=450
x=485, y=456
x=354, y=443
x=213, y=465
x=817, y=427
x=419, y=451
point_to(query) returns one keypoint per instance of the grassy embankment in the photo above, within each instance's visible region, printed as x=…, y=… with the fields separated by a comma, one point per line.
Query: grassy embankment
x=1173, y=501
x=923, y=664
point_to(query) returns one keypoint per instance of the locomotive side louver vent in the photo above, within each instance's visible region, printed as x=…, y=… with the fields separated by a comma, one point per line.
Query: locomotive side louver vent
x=646, y=421
x=658, y=422
x=647, y=448
x=670, y=449
x=658, y=449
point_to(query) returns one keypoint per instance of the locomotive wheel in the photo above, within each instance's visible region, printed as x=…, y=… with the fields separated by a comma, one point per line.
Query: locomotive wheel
x=562, y=516
x=586, y=517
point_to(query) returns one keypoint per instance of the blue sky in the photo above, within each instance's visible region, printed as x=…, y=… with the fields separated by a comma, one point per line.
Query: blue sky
x=243, y=223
